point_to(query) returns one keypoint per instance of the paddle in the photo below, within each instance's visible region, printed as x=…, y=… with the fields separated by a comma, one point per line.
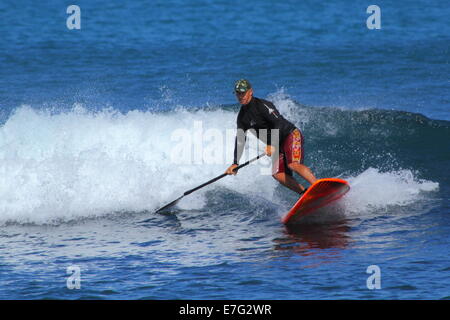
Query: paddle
x=206, y=183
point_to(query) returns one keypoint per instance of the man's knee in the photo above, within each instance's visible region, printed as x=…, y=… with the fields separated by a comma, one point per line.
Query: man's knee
x=294, y=165
x=278, y=176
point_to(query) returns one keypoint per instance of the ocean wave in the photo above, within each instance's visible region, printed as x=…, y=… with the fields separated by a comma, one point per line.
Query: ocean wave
x=80, y=163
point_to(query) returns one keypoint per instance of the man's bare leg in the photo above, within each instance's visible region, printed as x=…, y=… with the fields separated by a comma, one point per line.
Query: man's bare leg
x=302, y=171
x=289, y=182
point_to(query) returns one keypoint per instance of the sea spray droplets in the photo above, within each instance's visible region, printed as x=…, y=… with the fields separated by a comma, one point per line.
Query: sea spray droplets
x=377, y=190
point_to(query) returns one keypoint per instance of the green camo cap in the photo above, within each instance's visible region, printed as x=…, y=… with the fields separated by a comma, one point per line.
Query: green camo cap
x=242, y=85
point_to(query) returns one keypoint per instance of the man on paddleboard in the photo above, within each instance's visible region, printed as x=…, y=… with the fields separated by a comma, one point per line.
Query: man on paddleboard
x=259, y=114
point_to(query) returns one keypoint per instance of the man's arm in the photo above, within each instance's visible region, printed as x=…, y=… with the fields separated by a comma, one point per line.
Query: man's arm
x=239, y=144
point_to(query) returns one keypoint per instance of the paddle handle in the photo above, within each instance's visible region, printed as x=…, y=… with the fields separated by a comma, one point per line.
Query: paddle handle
x=223, y=175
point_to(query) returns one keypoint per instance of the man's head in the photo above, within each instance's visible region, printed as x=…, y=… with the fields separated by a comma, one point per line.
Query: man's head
x=243, y=91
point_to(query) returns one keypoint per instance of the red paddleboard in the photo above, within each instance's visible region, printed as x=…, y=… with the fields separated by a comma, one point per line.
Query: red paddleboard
x=321, y=193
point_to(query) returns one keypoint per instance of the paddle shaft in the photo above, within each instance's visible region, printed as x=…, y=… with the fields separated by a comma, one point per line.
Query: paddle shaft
x=210, y=181
x=222, y=175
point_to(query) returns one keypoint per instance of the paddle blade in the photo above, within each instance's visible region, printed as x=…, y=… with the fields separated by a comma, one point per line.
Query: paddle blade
x=174, y=202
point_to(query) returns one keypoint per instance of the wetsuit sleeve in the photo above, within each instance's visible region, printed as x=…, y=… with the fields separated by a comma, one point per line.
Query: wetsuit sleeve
x=239, y=143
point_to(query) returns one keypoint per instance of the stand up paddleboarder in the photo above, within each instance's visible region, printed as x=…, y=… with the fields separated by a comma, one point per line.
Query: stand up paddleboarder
x=259, y=114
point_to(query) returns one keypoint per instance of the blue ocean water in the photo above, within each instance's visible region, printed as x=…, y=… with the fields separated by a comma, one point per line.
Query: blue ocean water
x=89, y=120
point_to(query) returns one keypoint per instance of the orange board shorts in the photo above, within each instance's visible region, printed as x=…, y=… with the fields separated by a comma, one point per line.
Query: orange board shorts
x=291, y=151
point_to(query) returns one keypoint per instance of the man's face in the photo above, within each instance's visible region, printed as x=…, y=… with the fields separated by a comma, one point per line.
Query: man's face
x=244, y=97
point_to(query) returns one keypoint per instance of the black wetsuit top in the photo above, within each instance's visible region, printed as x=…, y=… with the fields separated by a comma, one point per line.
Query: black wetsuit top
x=259, y=114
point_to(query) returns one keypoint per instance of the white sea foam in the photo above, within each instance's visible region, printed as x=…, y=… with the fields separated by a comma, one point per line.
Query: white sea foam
x=289, y=108
x=82, y=164
x=375, y=190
